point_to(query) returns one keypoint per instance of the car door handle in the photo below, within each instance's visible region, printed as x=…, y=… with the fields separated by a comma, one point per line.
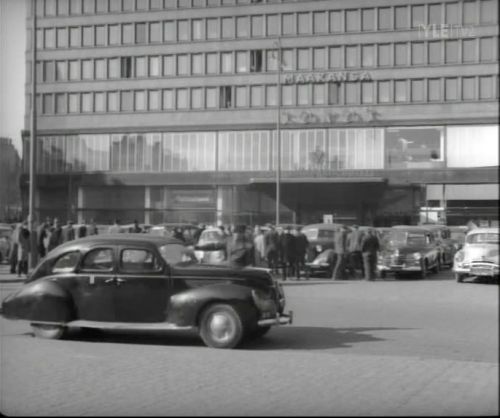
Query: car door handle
x=111, y=280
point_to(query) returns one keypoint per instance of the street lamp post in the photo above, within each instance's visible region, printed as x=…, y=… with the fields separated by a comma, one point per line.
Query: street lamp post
x=277, y=44
x=32, y=185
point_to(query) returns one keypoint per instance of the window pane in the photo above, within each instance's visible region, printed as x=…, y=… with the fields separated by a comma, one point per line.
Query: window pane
x=48, y=104
x=87, y=73
x=469, y=12
x=352, y=20
x=451, y=51
x=73, y=103
x=336, y=21
x=487, y=49
x=169, y=31
x=100, y=68
x=60, y=103
x=368, y=52
x=468, y=88
x=367, y=92
x=434, y=52
x=384, y=92
x=140, y=67
x=183, y=64
x=319, y=22
x=336, y=60
x=128, y=33
x=435, y=14
x=114, y=67
x=196, y=98
x=257, y=26
x=168, y=99
x=303, y=60
x=417, y=16
x=303, y=94
x=488, y=11
x=182, y=98
x=241, y=61
x=87, y=36
x=197, y=32
x=126, y=100
x=102, y=6
x=417, y=53
x=351, y=92
x=241, y=97
x=384, y=18
x=287, y=95
x=272, y=25
x=256, y=98
x=469, y=50
x=140, y=33
x=155, y=32
x=319, y=58
x=183, y=30
x=451, y=91
x=114, y=34
x=154, y=100
x=400, y=54
x=271, y=96
x=99, y=102
x=74, y=37
x=211, y=59
x=334, y=93
x=434, y=89
x=74, y=70
x=61, y=73
x=86, y=102
x=212, y=28
x=227, y=28
x=242, y=27
x=417, y=90
x=384, y=55
x=288, y=24
x=168, y=65
x=140, y=100
x=351, y=56
x=368, y=19
x=100, y=35
x=400, y=91
x=319, y=94
x=452, y=13
x=88, y=6
x=211, y=97
x=227, y=62
x=197, y=64
x=401, y=17
x=50, y=38
x=486, y=88
x=304, y=23
x=62, y=37
x=154, y=66
x=113, y=102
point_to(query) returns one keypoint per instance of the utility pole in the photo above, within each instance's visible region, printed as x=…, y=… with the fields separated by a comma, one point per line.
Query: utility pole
x=278, y=134
x=32, y=152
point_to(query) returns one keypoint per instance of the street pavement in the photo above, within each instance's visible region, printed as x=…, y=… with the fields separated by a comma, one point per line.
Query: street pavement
x=385, y=348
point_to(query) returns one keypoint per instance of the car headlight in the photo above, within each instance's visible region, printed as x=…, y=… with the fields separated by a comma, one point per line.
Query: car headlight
x=416, y=256
x=459, y=256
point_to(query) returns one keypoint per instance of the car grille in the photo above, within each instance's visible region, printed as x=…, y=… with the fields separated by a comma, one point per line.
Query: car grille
x=482, y=268
x=394, y=259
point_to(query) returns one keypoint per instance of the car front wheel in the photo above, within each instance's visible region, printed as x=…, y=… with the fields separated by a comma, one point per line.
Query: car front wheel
x=459, y=277
x=51, y=332
x=221, y=326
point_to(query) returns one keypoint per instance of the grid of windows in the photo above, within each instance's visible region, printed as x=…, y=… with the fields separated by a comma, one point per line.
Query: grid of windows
x=350, y=92
x=403, y=17
x=483, y=49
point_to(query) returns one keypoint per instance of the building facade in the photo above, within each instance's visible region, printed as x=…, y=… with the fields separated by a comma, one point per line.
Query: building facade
x=168, y=110
x=10, y=172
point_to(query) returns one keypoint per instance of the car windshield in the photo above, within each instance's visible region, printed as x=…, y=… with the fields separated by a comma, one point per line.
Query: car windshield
x=176, y=253
x=458, y=236
x=483, y=238
x=210, y=236
x=412, y=239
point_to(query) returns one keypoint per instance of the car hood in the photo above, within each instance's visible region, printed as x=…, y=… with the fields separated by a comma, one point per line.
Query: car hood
x=481, y=252
x=223, y=271
x=404, y=249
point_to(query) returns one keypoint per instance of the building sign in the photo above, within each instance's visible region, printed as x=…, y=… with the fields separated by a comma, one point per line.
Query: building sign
x=445, y=31
x=198, y=198
x=329, y=77
x=346, y=115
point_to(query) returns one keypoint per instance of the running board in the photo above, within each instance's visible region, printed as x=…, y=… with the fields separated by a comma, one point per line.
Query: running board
x=153, y=326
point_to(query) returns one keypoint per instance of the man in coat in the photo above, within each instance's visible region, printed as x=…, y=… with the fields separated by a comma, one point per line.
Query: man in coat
x=301, y=246
x=340, y=249
x=288, y=253
x=369, y=247
x=56, y=237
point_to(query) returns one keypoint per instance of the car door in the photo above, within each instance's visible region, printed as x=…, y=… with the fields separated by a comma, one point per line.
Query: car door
x=141, y=286
x=95, y=288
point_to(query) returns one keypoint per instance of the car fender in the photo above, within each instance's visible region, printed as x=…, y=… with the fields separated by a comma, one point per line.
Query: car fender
x=185, y=307
x=42, y=300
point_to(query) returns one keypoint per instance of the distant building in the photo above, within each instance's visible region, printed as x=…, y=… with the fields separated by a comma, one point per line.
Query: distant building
x=166, y=110
x=10, y=172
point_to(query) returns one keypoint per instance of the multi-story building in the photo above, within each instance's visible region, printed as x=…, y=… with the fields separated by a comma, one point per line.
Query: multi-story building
x=168, y=110
x=10, y=171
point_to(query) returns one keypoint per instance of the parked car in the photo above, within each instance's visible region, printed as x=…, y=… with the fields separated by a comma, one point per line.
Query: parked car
x=409, y=249
x=211, y=246
x=457, y=234
x=5, y=242
x=479, y=255
x=447, y=248
x=189, y=231
x=322, y=265
x=144, y=282
x=383, y=235
x=320, y=237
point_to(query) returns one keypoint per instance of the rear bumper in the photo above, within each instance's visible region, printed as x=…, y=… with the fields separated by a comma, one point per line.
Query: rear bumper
x=283, y=319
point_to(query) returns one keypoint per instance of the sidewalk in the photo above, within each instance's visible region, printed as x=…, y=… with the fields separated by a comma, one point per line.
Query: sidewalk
x=7, y=277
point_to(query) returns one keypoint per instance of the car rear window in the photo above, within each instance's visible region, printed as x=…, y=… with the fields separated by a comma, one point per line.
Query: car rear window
x=483, y=237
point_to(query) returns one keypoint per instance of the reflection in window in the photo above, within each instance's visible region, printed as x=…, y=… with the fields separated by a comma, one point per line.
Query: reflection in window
x=189, y=151
x=413, y=147
x=462, y=149
x=244, y=151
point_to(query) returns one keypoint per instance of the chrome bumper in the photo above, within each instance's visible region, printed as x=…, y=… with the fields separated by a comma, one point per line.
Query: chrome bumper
x=282, y=319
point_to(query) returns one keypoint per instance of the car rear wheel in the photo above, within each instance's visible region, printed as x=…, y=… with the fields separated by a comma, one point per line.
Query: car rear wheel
x=221, y=326
x=51, y=332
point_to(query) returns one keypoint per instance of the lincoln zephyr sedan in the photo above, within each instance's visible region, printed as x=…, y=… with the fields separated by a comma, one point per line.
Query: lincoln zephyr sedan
x=479, y=255
x=146, y=282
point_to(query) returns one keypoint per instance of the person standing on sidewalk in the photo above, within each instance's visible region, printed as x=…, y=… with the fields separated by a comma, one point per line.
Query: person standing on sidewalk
x=370, y=247
x=14, y=246
x=260, y=247
x=55, y=238
x=288, y=253
x=42, y=234
x=340, y=249
x=301, y=245
x=23, y=250
x=355, y=260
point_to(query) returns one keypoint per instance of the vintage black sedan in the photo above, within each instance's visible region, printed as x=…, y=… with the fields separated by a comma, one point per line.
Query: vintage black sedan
x=409, y=249
x=145, y=282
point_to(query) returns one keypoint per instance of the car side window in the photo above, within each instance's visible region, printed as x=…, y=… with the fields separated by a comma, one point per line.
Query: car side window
x=139, y=260
x=66, y=263
x=100, y=259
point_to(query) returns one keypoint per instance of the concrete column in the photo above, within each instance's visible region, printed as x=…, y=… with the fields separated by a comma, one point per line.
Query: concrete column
x=219, y=205
x=147, y=204
x=79, y=205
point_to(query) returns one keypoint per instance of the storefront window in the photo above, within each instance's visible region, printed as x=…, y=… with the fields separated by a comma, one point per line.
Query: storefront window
x=244, y=151
x=472, y=146
x=414, y=147
x=189, y=151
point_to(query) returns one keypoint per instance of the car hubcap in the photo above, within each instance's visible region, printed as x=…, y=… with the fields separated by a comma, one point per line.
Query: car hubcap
x=222, y=327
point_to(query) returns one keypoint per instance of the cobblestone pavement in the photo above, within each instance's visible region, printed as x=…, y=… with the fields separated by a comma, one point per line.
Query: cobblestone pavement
x=386, y=348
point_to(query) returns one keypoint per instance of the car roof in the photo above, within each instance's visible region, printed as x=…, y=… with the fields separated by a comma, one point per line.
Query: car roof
x=483, y=230
x=411, y=228
x=116, y=239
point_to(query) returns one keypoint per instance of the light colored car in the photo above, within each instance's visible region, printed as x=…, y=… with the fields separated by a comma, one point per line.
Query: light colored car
x=211, y=246
x=479, y=255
